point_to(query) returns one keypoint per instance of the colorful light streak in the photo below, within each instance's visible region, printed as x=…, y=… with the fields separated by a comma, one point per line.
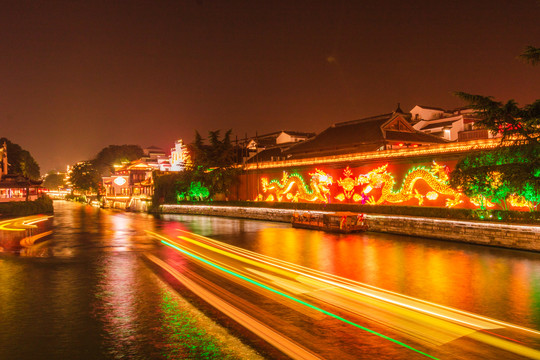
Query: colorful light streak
x=22, y=223
x=479, y=323
x=340, y=281
x=264, y=332
x=254, y=282
x=31, y=240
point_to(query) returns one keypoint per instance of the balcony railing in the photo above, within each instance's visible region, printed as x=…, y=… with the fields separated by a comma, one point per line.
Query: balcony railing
x=473, y=135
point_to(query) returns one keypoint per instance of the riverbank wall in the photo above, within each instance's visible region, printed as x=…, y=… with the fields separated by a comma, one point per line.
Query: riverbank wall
x=514, y=236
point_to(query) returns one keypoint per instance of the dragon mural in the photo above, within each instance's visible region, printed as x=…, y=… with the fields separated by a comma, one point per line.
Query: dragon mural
x=293, y=188
x=436, y=178
x=348, y=183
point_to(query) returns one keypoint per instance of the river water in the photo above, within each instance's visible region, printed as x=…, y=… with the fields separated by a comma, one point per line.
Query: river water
x=86, y=293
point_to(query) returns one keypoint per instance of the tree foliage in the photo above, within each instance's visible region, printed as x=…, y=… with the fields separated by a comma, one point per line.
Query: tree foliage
x=84, y=177
x=531, y=55
x=53, y=180
x=115, y=154
x=513, y=169
x=496, y=175
x=213, y=163
x=20, y=161
x=210, y=172
x=518, y=126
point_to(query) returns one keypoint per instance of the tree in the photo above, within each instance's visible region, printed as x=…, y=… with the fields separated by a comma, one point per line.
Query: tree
x=21, y=161
x=518, y=126
x=531, y=55
x=497, y=175
x=54, y=180
x=513, y=169
x=85, y=177
x=115, y=154
x=29, y=167
x=213, y=164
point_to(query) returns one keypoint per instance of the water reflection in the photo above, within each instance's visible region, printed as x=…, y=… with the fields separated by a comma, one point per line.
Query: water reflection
x=85, y=293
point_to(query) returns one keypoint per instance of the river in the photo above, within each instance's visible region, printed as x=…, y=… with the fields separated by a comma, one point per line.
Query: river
x=85, y=292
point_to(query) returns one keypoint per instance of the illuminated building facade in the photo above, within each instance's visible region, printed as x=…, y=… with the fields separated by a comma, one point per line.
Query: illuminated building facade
x=451, y=125
x=414, y=176
x=380, y=160
x=19, y=188
x=131, y=186
x=178, y=159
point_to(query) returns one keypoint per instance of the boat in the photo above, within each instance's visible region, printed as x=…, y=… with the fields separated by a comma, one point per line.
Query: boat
x=340, y=222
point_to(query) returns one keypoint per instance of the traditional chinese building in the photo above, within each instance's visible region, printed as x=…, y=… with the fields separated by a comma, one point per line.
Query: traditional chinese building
x=271, y=146
x=382, y=132
x=130, y=187
x=380, y=160
x=178, y=159
x=19, y=188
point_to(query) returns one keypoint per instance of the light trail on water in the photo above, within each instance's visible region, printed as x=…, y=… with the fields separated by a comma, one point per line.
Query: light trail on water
x=23, y=223
x=259, y=259
x=353, y=297
x=254, y=282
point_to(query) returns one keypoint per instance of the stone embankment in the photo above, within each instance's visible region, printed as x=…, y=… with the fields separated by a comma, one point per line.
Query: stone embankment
x=514, y=236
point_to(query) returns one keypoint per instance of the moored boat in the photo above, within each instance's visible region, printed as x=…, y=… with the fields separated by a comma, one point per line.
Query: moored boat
x=340, y=222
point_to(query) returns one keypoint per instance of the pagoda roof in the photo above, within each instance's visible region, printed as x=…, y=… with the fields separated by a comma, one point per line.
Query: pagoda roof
x=18, y=181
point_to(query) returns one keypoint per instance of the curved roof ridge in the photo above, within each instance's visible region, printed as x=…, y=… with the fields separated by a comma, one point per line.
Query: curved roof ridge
x=367, y=119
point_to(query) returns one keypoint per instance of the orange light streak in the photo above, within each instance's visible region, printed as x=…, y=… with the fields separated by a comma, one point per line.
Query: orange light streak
x=349, y=285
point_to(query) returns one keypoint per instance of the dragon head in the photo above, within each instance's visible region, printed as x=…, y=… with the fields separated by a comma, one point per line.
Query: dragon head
x=373, y=179
x=321, y=181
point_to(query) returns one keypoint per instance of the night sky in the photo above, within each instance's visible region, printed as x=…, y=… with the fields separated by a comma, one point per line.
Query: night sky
x=76, y=76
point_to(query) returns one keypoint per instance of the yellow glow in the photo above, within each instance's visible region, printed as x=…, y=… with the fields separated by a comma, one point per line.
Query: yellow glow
x=519, y=201
x=319, y=191
x=480, y=200
x=432, y=195
x=22, y=223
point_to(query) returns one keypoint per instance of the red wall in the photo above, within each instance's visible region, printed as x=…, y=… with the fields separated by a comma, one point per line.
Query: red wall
x=430, y=189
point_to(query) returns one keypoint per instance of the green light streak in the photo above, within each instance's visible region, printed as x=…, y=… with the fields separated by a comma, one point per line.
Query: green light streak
x=295, y=299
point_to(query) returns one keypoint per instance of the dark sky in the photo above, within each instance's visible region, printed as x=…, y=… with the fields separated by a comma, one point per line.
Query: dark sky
x=76, y=76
